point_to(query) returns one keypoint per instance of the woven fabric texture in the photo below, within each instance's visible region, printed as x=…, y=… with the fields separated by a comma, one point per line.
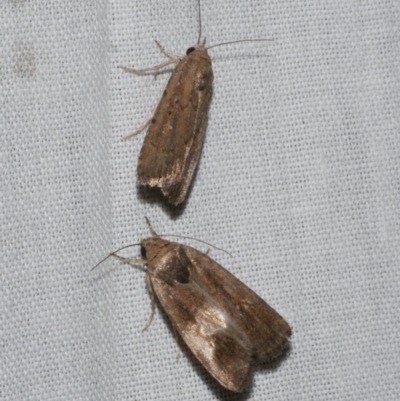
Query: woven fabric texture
x=298, y=180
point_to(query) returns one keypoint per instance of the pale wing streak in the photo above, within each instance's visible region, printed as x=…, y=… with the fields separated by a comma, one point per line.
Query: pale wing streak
x=221, y=321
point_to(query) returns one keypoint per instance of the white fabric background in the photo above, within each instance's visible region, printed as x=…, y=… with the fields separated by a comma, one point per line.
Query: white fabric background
x=299, y=180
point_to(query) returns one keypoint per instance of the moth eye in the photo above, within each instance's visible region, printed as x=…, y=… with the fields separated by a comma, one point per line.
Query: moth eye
x=143, y=252
x=191, y=49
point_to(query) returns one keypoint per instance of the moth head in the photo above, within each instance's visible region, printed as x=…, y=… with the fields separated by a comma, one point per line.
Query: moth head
x=199, y=47
x=150, y=248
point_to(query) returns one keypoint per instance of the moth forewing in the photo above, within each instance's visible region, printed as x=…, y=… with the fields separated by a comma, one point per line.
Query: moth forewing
x=224, y=323
x=173, y=142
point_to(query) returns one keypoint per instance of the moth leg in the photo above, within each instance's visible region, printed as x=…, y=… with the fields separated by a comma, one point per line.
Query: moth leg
x=131, y=261
x=143, y=125
x=169, y=53
x=153, y=303
x=147, y=121
x=156, y=68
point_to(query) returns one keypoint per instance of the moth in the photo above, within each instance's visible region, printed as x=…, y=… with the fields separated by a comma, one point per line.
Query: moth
x=225, y=324
x=173, y=143
x=172, y=146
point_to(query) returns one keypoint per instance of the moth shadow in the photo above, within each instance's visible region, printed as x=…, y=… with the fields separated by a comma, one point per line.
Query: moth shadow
x=273, y=365
x=154, y=195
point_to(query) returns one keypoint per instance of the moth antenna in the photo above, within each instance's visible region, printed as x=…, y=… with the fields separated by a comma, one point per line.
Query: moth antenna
x=113, y=253
x=198, y=3
x=195, y=239
x=238, y=41
x=153, y=233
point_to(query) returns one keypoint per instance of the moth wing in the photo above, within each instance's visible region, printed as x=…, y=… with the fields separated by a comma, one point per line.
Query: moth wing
x=266, y=331
x=224, y=323
x=173, y=142
x=223, y=350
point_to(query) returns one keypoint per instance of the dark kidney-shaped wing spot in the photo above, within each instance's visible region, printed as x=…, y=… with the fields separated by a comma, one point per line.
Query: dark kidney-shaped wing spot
x=181, y=272
x=176, y=268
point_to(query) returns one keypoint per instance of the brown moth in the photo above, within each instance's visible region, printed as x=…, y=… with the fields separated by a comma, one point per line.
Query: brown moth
x=172, y=146
x=225, y=324
x=173, y=143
